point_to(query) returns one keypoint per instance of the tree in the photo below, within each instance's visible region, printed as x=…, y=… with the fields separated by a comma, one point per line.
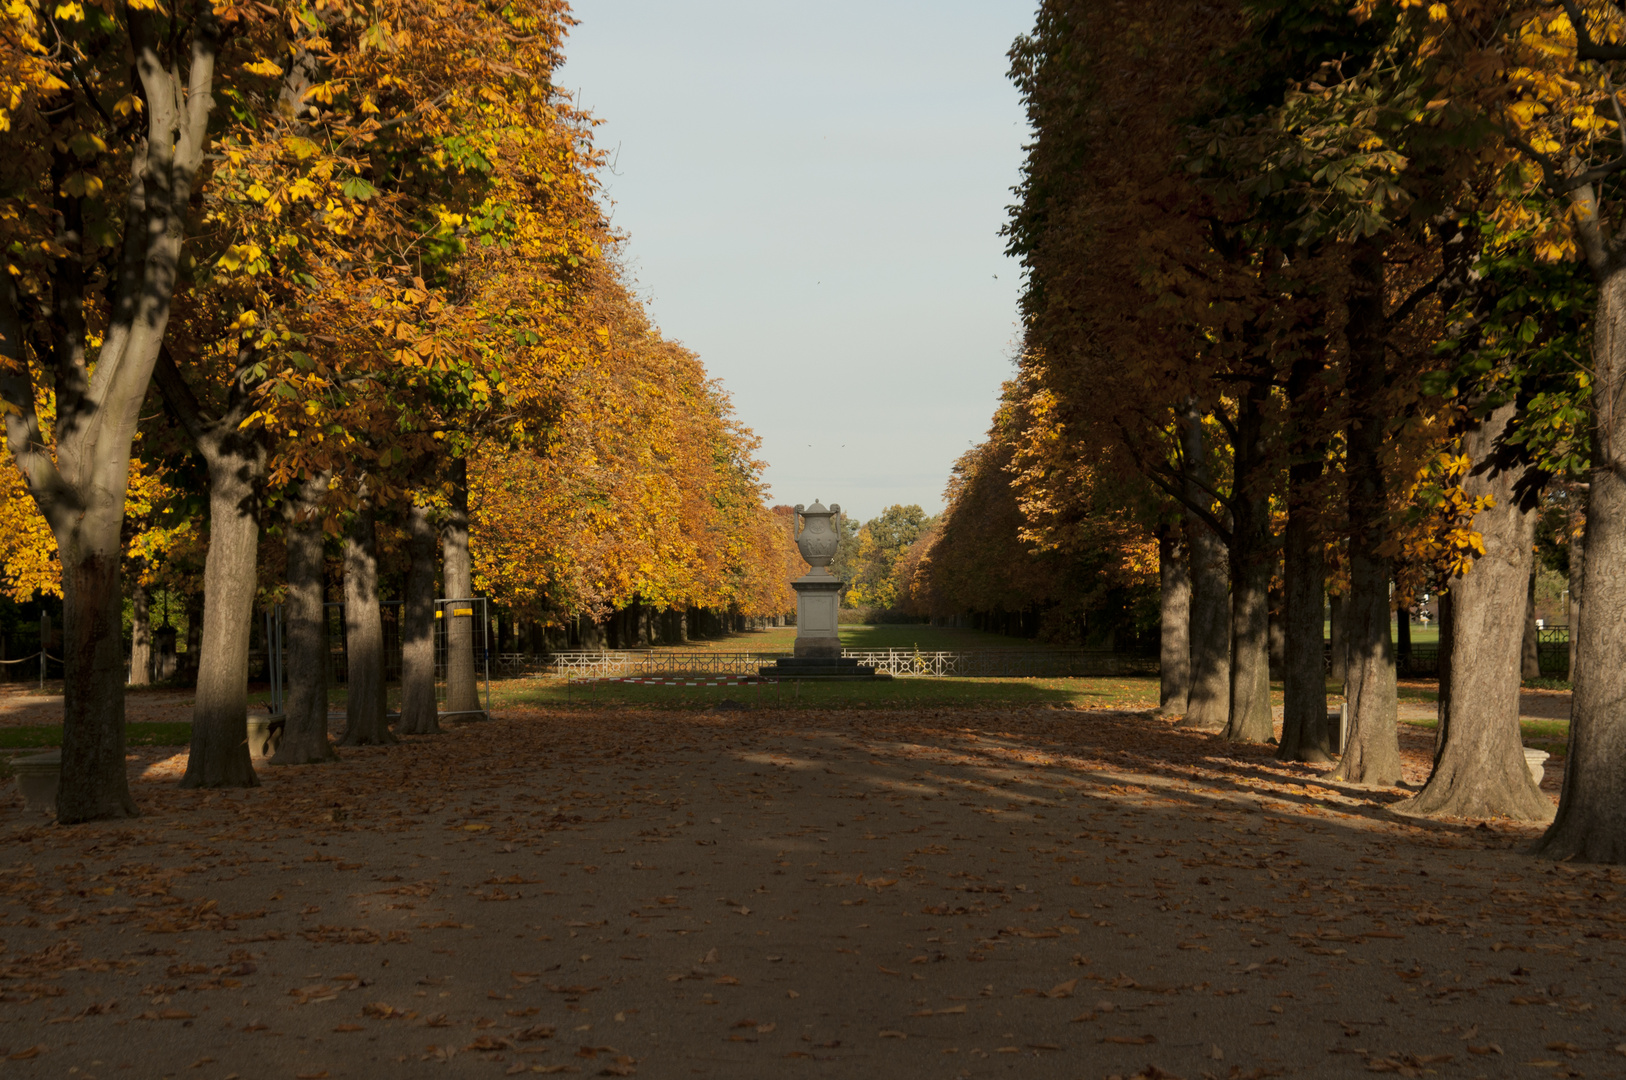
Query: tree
x=1480, y=769
x=879, y=544
x=111, y=153
x=305, y=735
x=418, y=706
x=1174, y=600
x=235, y=459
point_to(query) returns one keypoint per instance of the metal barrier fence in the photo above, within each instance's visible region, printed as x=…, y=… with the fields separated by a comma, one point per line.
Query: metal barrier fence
x=977, y=663
x=1422, y=661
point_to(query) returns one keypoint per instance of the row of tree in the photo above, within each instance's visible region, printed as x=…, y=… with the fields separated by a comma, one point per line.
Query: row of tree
x=1325, y=294
x=336, y=270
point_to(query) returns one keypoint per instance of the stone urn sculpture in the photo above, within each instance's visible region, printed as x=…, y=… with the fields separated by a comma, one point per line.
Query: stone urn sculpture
x=818, y=592
x=818, y=533
x=818, y=598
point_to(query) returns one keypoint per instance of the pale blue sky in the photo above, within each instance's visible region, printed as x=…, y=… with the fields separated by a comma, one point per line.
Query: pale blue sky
x=814, y=194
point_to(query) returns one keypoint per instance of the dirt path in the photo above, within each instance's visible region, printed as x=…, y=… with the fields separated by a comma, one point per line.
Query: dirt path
x=750, y=894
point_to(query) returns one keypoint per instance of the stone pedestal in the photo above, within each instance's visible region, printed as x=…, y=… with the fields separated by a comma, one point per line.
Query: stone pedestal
x=818, y=595
x=37, y=778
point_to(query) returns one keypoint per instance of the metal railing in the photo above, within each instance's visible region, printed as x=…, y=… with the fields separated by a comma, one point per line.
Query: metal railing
x=1004, y=663
x=973, y=663
x=621, y=663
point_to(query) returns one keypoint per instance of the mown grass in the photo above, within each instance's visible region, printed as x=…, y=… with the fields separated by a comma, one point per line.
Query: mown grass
x=1132, y=692
x=45, y=736
x=1550, y=735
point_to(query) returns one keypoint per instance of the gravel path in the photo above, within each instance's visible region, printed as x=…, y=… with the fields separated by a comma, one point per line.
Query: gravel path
x=746, y=894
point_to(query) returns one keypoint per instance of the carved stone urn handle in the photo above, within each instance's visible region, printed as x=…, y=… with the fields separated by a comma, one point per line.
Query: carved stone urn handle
x=796, y=522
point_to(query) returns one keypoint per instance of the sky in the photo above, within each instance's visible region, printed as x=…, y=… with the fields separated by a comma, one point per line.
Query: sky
x=813, y=195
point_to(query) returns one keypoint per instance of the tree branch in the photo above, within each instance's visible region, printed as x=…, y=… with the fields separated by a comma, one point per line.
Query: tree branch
x=181, y=400
x=1585, y=47
x=1165, y=477
x=1408, y=305
x=56, y=500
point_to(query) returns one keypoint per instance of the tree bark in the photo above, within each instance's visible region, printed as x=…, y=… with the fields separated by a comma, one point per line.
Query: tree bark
x=1174, y=602
x=1530, y=645
x=1443, y=669
x=1249, y=715
x=1480, y=770
x=304, y=735
x=418, y=707
x=1209, y=703
x=1304, y=678
x=218, y=643
x=1372, y=755
x=1591, y=821
x=462, y=688
x=1337, y=640
x=1577, y=568
x=93, y=784
x=220, y=754
x=365, y=717
x=140, y=634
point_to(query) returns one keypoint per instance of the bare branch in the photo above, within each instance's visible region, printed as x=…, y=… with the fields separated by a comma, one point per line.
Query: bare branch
x=179, y=397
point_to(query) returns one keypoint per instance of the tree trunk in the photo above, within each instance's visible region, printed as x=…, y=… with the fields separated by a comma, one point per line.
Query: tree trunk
x=1174, y=602
x=418, y=707
x=93, y=784
x=304, y=735
x=1577, y=567
x=218, y=636
x=1443, y=669
x=1304, y=673
x=462, y=690
x=1591, y=821
x=220, y=753
x=140, y=633
x=365, y=718
x=1372, y=755
x=1249, y=718
x=1480, y=770
x=1209, y=702
x=1337, y=640
x=1530, y=646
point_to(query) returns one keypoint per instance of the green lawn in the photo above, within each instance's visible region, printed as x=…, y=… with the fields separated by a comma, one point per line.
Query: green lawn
x=1134, y=692
x=1420, y=634
x=1550, y=735
x=48, y=735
